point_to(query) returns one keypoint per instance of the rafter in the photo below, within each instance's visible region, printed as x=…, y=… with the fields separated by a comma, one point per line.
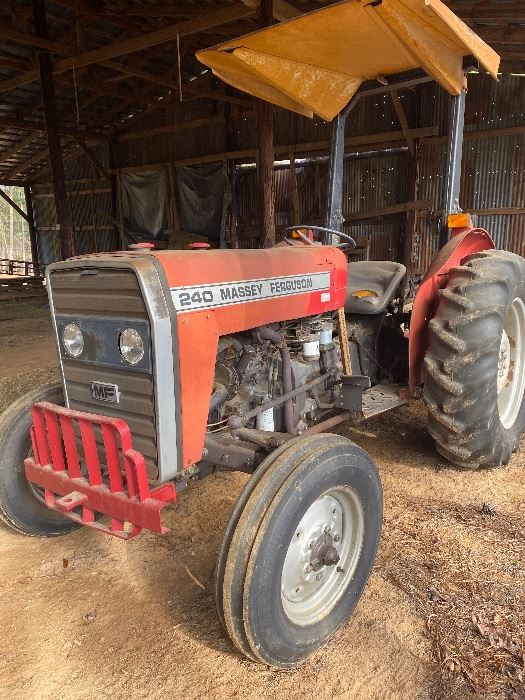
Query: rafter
x=39, y=127
x=11, y=34
x=19, y=146
x=123, y=47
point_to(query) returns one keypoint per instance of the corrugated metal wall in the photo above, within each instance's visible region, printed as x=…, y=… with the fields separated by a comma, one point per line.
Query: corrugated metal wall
x=493, y=172
x=493, y=163
x=90, y=201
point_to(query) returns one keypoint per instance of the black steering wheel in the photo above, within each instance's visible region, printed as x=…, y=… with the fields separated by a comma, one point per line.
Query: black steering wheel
x=319, y=229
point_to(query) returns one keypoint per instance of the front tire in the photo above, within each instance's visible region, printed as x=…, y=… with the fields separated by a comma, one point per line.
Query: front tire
x=302, y=550
x=21, y=508
x=476, y=361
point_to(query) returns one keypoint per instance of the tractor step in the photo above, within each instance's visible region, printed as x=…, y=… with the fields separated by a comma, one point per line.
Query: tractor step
x=381, y=398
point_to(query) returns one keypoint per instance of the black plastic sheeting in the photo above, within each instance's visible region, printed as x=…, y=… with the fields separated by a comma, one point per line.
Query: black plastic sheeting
x=203, y=196
x=144, y=205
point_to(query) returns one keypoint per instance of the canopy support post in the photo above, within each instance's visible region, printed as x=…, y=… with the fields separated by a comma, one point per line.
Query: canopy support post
x=452, y=186
x=334, y=210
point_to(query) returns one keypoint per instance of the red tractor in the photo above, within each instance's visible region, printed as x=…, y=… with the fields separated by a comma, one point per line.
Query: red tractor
x=176, y=364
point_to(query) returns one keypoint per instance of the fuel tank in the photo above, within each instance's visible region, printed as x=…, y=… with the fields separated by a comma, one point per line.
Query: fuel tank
x=248, y=288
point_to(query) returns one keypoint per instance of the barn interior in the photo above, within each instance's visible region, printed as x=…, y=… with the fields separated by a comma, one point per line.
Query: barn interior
x=117, y=134
x=112, y=133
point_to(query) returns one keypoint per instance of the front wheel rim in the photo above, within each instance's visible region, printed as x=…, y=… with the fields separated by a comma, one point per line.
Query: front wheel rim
x=322, y=556
x=511, y=364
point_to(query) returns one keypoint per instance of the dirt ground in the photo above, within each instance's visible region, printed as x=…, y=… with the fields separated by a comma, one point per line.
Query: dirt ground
x=442, y=617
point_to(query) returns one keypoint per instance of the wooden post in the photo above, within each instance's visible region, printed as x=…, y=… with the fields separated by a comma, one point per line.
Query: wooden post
x=231, y=112
x=112, y=160
x=233, y=242
x=63, y=211
x=266, y=153
x=293, y=193
x=31, y=225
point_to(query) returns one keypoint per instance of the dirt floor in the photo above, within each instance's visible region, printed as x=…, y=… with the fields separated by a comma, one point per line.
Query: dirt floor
x=443, y=616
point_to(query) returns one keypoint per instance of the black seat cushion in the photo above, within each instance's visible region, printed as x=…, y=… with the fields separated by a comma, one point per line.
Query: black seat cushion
x=382, y=278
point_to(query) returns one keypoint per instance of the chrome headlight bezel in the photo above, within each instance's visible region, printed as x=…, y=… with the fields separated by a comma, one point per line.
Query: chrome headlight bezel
x=73, y=340
x=131, y=346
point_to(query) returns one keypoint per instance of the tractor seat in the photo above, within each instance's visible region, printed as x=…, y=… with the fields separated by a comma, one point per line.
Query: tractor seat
x=372, y=285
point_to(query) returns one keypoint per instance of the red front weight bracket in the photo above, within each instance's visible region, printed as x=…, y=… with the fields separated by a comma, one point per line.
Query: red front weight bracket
x=86, y=465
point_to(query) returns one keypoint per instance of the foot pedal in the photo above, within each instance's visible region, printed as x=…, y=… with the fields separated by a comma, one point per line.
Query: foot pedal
x=382, y=398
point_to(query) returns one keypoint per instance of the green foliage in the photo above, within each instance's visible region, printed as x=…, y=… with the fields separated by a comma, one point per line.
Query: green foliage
x=14, y=232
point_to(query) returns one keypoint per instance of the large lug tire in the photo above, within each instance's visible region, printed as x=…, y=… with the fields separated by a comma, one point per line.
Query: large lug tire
x=299, y=549
x=476, y=361
x=21, y=507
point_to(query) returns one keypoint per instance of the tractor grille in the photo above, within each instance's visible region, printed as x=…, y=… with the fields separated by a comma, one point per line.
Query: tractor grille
x=112, y=294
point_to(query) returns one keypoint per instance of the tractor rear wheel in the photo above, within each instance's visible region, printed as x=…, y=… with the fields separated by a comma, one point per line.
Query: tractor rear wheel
x=22, y=506
x=299, y=549
x=476, y=361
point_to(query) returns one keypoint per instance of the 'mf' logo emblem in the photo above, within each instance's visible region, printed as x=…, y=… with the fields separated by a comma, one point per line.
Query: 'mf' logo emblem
x=105, y=392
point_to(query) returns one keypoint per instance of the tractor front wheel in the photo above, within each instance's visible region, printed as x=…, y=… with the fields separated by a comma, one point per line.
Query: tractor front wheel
x=476, y=361
x=299, y=549
x=22, y=506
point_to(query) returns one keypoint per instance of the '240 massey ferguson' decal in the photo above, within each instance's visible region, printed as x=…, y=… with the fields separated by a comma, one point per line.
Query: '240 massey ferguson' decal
x=210, y=296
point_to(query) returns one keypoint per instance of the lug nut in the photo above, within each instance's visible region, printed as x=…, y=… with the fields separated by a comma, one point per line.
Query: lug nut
x=337, y=537
x=319, y=577
x=327, y=529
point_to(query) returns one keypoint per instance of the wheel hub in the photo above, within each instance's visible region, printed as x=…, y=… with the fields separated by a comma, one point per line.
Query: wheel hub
x=322, y=556
x=324, y=553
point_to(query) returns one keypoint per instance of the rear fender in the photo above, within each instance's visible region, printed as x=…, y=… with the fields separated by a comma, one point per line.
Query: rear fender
x=464, y=243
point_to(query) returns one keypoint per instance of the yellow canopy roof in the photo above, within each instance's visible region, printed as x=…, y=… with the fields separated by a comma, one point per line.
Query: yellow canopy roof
x=315, y=63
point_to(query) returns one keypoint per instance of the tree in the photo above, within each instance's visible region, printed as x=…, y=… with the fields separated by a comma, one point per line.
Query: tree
x=14, y=231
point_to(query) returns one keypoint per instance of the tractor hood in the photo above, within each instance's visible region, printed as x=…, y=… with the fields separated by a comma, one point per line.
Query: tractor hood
x=315, y=63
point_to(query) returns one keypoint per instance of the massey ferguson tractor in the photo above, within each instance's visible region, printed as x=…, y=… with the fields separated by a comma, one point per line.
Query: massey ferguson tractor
x=177, y=364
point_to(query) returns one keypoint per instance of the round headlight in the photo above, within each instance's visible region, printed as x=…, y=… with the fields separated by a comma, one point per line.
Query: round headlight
x=73, y=340
x=131, y=346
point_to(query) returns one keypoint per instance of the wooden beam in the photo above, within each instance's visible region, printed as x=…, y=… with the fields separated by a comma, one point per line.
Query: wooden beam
x=394, y=94
x=498, y=211
x=389, y=139
x=217, y=95
x=476, y=11
x=281, y=10
x=508, y=35
x=401, y=208
x=13, y=204
x=172, y=85
x=94, y=160
x=486, y=134
x=63, y=211
x=33, y=136
x=14, y=63
x=123, y=47
x=40, y=128
x=293, y=193
x=169, y=128
x=31, y=225
x=31, y=40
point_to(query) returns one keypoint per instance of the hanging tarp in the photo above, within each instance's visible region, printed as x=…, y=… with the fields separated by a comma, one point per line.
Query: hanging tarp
x=144, y=205
x=203, y=197
x=315, y=63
